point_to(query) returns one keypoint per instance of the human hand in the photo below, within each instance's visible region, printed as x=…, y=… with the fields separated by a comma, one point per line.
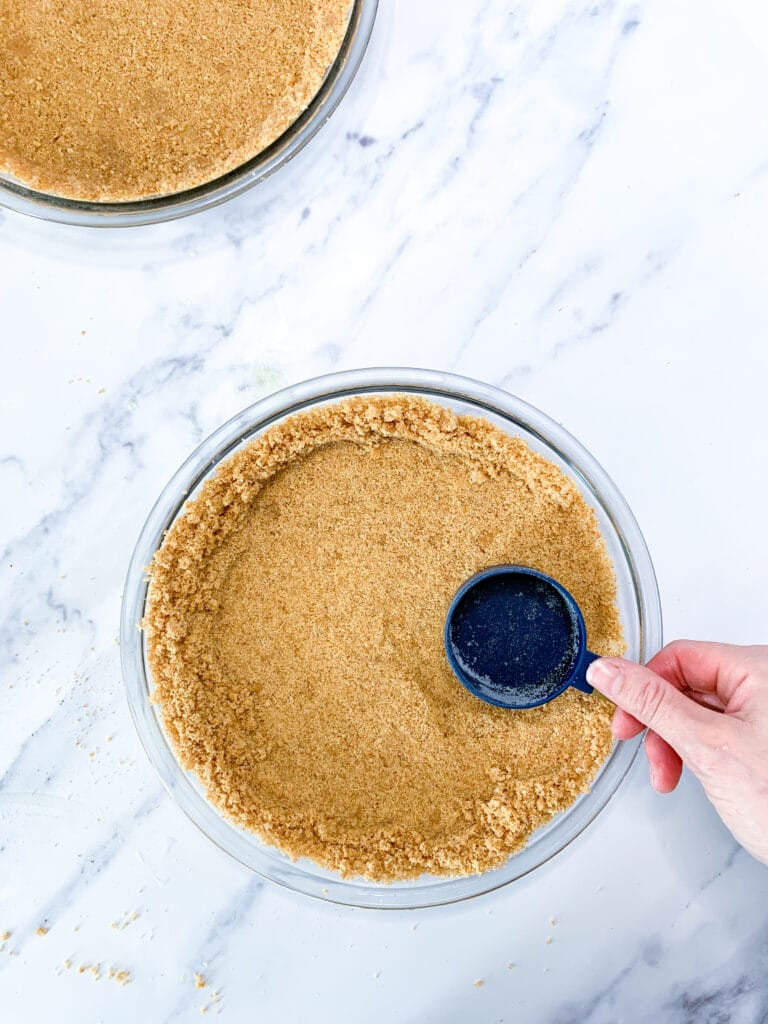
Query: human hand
x=705, y=705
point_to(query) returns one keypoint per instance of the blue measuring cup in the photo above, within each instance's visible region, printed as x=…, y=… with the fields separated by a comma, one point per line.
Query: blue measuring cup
x=516, y=638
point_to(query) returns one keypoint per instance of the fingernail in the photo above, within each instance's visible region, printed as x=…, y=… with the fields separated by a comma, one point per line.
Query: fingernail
x=653, y=777
x=604, y=676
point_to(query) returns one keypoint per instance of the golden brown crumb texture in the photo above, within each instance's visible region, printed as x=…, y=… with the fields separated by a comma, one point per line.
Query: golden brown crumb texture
x=295, y=622
x=125, y=99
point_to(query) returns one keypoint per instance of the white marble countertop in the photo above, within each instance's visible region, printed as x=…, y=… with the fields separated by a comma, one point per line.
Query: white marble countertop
x=566, y=199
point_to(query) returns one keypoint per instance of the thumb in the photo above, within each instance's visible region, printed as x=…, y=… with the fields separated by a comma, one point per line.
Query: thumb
x=652, y=700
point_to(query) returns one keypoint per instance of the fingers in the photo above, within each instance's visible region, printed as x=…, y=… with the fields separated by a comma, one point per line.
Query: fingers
x=625, y=726
x=707, y=667
x=649, y=699
x=666, y=764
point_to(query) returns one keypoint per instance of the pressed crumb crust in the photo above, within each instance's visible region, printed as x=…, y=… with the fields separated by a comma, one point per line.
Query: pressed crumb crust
x=295, y=632
x=126, y=99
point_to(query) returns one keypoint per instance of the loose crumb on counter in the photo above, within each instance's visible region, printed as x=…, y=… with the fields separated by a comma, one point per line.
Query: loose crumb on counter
x=215, y=1001
x=126, y=919
x=295, y=636
x=121, y=976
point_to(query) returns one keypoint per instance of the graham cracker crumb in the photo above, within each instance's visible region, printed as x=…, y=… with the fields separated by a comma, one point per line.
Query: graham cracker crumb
x=5, y=936
x=295, y=634
x=122, y=923
x=93, y=969
x=113, y=101
x=479, y=983
x=41, y=931
x=199, y=981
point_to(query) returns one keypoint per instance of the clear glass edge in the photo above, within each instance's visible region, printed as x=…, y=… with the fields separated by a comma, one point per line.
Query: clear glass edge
x=18, y=198
x=255, y=418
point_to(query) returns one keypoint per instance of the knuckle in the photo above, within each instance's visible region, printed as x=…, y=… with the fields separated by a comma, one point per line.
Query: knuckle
x=676, y=646
x=652, y=702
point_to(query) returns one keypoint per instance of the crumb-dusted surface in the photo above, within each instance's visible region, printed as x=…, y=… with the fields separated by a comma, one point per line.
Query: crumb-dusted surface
x=124, y=99
x=295, y=621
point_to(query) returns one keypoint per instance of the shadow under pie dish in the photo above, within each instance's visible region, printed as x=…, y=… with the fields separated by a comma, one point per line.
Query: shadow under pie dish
x=293, y=639
x=121, y=113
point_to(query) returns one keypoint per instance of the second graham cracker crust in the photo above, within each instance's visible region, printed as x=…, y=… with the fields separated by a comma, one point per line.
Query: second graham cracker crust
x=295, y=621
x=126, y=99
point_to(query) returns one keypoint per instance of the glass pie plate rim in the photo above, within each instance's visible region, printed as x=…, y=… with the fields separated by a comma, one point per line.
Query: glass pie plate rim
x=21, y=198
x=304, y=876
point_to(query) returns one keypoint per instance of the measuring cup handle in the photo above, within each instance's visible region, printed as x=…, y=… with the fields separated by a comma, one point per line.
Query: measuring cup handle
x=580, y=675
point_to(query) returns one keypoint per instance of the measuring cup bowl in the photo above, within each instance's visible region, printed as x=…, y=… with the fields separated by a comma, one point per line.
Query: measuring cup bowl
x=573, y=638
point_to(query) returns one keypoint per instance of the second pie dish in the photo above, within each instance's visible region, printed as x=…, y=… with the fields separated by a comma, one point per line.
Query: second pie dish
x=118, y=113
x=294, y=653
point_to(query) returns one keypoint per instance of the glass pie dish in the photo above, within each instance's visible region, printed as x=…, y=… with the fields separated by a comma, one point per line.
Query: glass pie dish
x=638, y=601
x=15, y=195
